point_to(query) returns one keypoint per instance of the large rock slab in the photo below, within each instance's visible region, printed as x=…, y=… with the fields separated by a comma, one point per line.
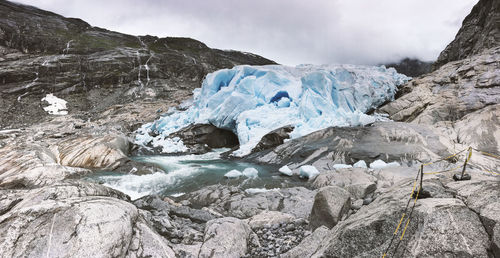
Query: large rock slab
x=106, y=152
x=331, y=203
x=226, y=237
x=483, y=197
x=389, y=141
x=355, y=180
x=71, y=220
x=273, y=138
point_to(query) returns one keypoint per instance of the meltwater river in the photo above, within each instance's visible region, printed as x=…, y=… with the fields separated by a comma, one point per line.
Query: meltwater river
x=187, y=173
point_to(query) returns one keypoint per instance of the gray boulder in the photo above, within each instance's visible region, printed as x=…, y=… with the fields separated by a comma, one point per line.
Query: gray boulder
x=355, y=180
x=225, y=237
x=269, y=218
x=308, y=245
x=331, y=203
x=296, y=201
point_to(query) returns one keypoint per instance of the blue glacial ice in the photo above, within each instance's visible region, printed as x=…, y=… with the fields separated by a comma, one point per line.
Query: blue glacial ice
x=254, y=100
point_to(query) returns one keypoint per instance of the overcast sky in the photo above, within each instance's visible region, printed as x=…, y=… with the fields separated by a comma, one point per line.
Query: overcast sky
x=287, y=31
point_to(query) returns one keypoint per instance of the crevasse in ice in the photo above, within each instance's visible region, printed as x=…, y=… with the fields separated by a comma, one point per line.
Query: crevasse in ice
x=253, y=100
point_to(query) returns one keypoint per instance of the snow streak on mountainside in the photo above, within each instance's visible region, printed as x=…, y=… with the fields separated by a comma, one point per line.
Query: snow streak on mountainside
x=253, y=100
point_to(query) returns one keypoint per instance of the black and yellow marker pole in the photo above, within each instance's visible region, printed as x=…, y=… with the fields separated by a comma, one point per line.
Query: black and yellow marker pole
x=463, y=175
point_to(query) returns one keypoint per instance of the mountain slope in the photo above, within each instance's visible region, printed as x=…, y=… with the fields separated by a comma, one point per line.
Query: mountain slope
x=480, y=30
x=93, y=68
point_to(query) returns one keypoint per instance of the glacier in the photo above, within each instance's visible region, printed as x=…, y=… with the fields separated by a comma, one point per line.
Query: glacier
x=254, y=100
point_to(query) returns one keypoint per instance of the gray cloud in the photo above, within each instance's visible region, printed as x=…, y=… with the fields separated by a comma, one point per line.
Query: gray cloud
x=287, y=31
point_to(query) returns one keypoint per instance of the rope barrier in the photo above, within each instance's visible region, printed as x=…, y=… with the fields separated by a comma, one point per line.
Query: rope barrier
x=402, y=216
x=443, y=171
x=491, y=172
x=421, y=173
x=449, y=157
x=487, y=154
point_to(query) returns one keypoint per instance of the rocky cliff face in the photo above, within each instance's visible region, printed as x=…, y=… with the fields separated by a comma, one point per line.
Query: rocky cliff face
x=93, y=68
x=480, y=30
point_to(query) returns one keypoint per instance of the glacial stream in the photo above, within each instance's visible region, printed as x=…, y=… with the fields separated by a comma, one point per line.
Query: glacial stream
x=188, y=173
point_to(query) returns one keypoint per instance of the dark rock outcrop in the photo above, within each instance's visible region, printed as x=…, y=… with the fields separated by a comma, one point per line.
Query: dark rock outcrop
x=480, y=30
x=411, y=67
x=93, y=68
x=201, y=138
x=273, y=138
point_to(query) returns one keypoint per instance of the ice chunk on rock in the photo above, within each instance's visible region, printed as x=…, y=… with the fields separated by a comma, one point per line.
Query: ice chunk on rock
x=308, y=172
x=341, y=166
x=379, y=164
x=286, y=170
x=233, y=174
x=250, y=172
x=360, y=164
x=254, y=100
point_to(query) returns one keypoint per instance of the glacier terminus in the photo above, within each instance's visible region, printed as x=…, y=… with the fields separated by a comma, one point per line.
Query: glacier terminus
x=251, y=101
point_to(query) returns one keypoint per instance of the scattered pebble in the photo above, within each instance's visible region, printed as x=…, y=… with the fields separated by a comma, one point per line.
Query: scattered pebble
x=278, y=238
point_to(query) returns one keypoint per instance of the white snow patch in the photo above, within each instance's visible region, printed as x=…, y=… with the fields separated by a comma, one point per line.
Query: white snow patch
x=56, y=106
x=308, y=172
